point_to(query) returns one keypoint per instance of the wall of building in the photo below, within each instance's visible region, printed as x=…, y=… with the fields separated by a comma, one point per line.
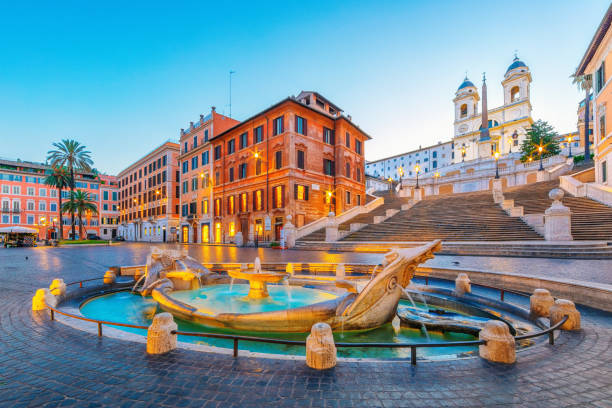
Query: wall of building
x=430, y=159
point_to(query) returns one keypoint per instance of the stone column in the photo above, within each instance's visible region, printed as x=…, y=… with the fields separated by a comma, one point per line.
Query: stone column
x=462, y=284
x=320, y=347
x=561, y=308
x=557, y=219
x=290, y=232
x=58, y=287
x=498, y=195
x=331, y=229
x=42, y=298
x=500, y=343
x=160, y=339
x=540, y=303
x=417, y=194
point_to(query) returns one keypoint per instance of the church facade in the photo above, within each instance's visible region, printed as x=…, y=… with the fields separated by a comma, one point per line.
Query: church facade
x=478, y=135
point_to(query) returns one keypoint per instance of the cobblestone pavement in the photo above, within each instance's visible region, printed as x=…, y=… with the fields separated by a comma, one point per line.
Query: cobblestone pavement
x=45, y=363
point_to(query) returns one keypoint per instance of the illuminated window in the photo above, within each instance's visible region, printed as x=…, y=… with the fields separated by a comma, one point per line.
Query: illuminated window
x=258, y=202
x=243, y=202
x=218, y=232
x=232, y=229
x=217, y=207
x=204, y=206
x=230, y=205
x=300, y=192
x=278, y=194
x=205, y=233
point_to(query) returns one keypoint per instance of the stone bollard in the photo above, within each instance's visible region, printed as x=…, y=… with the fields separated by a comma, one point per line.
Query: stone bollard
x=340, y=271
x=500, y=343
x=557, y=218
x=331, y=228
x=42, y=298
x=561, y=308
x=160, y=340
x=540, y=303
x=462, y=284
x=320, y=347
x=109, y=277
x=58, y=287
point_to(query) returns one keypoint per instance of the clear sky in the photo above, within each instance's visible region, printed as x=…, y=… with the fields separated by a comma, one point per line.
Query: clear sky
x=127, y=76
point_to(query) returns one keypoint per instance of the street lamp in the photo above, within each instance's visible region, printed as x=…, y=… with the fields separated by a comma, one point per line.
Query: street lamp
x=541, y=151
x=328, y=195
x=569, y=143
x=496, y=165
x=417, y=168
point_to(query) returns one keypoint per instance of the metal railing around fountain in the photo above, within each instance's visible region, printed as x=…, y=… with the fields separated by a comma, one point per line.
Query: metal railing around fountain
x=237, y=338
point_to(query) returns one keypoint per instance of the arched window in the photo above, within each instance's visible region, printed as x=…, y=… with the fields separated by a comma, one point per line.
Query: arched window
x=464, y=110
x=515, y=94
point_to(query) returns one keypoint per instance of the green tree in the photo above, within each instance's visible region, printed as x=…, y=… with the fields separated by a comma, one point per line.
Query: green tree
x=80, y=202
x=59, y=179
x=72, y=155
x=585, y=83
x=540, y=134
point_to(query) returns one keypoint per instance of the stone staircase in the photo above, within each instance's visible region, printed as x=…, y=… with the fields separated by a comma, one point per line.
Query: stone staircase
x=591, y=221
x=460, y=217
x=392, y=205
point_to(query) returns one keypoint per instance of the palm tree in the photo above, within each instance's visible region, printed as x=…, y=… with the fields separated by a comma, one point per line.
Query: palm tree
x=80, y=202
x=70, y=154
x=59, y=179
x=585, y=83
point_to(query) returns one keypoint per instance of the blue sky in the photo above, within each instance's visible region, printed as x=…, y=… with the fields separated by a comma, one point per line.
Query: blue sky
x=124, y=77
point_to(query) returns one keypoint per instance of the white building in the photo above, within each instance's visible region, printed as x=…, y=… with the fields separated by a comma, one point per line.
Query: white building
x=506, y=125
x=429, y=159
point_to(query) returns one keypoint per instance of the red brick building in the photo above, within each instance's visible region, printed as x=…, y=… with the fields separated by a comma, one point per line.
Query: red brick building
x=196, y=170
x=299, y=157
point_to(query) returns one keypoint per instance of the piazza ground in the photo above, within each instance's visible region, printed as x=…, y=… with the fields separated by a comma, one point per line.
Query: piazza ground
x=44, y=363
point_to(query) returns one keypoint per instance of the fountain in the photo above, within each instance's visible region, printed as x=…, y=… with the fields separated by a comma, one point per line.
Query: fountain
x=258, y=280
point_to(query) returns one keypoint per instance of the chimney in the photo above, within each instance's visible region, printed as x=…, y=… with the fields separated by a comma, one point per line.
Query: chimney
x=201, y=118
x=190, y=125
x=213, y=108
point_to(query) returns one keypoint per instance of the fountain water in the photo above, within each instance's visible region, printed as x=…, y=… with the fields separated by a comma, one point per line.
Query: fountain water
x=423, y=328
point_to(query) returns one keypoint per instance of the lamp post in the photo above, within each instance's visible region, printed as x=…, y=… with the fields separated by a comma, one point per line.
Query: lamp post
x=400, y=172
x=417, y=168
x=541, y=151
x=569, y=144
x=496, y=165
x=328, y=195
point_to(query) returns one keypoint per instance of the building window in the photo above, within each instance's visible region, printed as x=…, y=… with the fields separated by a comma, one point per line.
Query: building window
x=230, y=205
x=184, y=210
x=434, y=154
x=217, y=152
x=217, y=178
x=42, y=192
x=463, y=110
x=604, y=171
x=185, y=166
x=348, y=197
x=193, y=208
x=206, y=135
x=205, y=158
x=358, y=144
x=16, y=219
x=348, y=170
x=185, y=187
x=184, y=149
x=53, y=207
x=232, y=229
x=300, y=159
x=278, y=160
x=194, y=184
x=347, y=139
x=328, y=167
x=231, y=174
x=204, y=207
x=602, y=126
x=515, y=94
x=195, y=141
x=600, y=78
x=278, y=126
x=258, y=200
x=244, y=202
x=258, y=134
x=300, y=125
x=30, y=205
x=244, y=140
x=358, y=174
x=205, y=180
x=278, y=195
x=231, y=146
x=258, y=167
x=328, y=136
x=217, y=207
x=300, y=192
x=242, y=171
x=358, y=199
x=194, y=162
x=30, y=191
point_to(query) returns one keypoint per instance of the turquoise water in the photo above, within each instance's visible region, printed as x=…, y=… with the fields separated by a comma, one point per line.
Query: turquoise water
x=233, y=298
x=125, y=307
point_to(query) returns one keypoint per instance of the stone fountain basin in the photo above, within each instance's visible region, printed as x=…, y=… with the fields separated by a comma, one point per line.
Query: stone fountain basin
x=263, y=276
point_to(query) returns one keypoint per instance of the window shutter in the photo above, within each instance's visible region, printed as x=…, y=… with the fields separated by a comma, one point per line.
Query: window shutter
x=295, y=129
x=306, y=193
x=282, y=124
x=283, y=196
x=333, y=137
x=254, y=200
x=295, y=191
x=305, y=124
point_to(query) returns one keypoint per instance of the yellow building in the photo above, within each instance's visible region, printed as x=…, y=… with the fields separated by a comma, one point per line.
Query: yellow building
x=597, y=56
